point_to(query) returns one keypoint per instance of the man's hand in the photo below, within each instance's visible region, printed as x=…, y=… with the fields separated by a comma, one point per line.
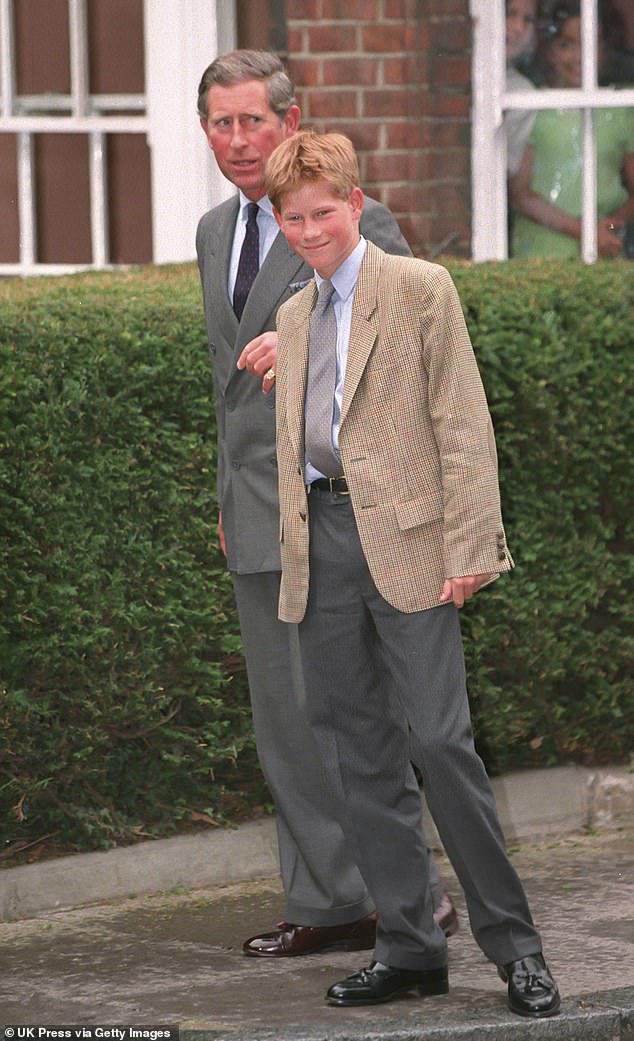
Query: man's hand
x=221, y=534
x=461, y=589
x=259, y=357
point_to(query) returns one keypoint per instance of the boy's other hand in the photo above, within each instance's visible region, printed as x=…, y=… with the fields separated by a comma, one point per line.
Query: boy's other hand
x=461, y=589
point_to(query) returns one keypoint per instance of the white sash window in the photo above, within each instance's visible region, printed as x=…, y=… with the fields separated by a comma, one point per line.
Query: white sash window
x=178, y=179
x=491, y=100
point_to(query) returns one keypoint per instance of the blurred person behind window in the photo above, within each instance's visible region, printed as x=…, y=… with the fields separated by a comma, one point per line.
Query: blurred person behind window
x=521, y=18
x=545, y=193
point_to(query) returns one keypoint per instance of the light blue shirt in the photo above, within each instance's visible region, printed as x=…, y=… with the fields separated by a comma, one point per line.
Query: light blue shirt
x=345, y=282
x=267, y=227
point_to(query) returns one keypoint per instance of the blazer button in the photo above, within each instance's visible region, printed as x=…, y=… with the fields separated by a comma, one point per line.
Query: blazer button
x=235, y=465
x=501, y=556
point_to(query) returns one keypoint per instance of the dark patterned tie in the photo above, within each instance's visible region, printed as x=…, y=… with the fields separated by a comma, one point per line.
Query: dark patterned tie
x=320, y=385
x=249, y=262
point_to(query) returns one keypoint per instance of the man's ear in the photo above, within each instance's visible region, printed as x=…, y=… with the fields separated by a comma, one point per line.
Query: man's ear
x=291, y=120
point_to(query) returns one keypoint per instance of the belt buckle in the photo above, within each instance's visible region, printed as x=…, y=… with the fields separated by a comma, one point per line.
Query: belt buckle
x=334, y=491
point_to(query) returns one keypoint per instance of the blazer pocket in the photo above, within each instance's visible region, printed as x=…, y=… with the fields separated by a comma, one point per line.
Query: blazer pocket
x=417, y=512
x=294, y=528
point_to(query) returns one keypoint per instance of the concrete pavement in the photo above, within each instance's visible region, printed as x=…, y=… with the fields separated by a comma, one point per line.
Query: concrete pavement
x=175, y=958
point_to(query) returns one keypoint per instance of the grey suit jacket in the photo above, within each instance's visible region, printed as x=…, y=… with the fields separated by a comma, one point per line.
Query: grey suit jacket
x=247, y=466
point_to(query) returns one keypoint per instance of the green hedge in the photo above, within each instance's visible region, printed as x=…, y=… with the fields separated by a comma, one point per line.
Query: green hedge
x=550, y=646
x=121, y=711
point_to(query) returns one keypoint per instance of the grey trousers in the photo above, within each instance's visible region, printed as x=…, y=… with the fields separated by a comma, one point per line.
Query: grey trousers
x=322, y=883
x=368, y=733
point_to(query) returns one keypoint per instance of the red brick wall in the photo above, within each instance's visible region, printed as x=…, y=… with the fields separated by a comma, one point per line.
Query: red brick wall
x=395, y=76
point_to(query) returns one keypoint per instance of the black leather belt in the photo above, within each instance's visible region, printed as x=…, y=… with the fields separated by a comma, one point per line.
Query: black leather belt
x=331, y=484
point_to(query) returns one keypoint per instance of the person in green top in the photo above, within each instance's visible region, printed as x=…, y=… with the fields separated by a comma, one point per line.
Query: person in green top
x=546, y=191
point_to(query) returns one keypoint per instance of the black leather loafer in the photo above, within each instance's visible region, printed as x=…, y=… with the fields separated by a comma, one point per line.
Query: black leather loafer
x=532, y=990
x=381, y=983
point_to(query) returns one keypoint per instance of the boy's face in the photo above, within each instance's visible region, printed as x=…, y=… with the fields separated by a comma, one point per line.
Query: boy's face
x=322, y=228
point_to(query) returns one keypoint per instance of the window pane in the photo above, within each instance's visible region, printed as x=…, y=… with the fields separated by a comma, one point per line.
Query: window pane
x=544, y=43
x=618, y=29
x=42, y=47
x=556, y=58
x=546, y=191
x=9, y=228
x=129, y=200
x=261, y=24
x=521, y=43
x=62, y=199
x=115, y=42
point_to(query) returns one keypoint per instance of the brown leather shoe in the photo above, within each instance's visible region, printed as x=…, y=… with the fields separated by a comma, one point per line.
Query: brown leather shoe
x=446, y=915
x=289, y=941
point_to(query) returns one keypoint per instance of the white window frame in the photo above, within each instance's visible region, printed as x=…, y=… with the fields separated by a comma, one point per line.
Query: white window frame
x=180, y=41
x=488, y=144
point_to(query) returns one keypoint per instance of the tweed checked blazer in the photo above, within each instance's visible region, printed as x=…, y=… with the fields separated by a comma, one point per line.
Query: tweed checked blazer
x=416, y=438
x=247, y=465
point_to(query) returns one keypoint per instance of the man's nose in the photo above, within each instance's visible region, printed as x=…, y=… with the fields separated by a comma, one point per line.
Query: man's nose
x=238, y=136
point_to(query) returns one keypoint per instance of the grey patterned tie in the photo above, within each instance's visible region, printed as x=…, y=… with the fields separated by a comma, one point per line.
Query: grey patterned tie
x=320, y=385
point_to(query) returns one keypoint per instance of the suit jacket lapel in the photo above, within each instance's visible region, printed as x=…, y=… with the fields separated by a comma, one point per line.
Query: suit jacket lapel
x=279, y=269
x=221, y=249
x=364, y=324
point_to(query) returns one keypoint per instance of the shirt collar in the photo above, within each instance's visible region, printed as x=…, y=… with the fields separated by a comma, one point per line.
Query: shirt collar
x=264, y=203
x=346, y=276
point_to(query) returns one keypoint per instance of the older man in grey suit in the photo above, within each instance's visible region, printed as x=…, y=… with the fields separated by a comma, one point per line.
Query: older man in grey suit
x=246, y=109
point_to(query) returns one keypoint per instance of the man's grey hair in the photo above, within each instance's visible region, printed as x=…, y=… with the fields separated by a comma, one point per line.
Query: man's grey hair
x=242, y=65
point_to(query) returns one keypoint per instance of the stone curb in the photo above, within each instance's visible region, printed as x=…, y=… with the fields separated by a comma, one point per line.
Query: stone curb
x=604, y=1016
x=532, y=804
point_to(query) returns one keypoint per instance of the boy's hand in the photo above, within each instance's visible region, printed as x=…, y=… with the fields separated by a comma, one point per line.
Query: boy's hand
x=460, y=589
x=259, y=357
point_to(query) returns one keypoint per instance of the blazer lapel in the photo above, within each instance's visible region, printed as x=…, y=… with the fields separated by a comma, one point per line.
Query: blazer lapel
x=364, y=323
